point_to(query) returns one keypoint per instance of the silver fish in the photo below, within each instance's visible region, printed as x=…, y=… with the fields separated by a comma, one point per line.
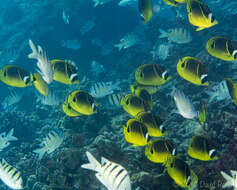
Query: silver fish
x=5, y=138
x=50, y=143
x=44, y=66
x=10, y=176
x=114, y=99
x=112, y=175
x=101, y=89
x=183, y=104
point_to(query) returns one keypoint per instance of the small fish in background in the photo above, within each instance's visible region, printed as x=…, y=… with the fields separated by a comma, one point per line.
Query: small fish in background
x=43, y=64
x=5, y=138
x=71, y=44
x=124, y=3
x=100, y=2
x=230, y=180
x=10, y=176
x=156, y=8
x=97, y=68
x=218, y=92
x=114, y=99
x=13, y=98
x=176, y=35
x=146, y=10
x=50, y=143
x=87, y=27
x=112, y=175
x=184, y=105
x=127, y=41
x=102, y=89
x=65, y=17
x=161, y=51
x=225, y=90
x=9, y=55
x=50, y=100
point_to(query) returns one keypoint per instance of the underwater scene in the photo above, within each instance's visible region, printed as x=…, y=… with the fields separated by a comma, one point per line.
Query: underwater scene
x=118, y=94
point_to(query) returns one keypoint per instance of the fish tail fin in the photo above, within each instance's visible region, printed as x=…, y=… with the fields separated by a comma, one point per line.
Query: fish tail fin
x=163, y=34
x=34, y=54
x=93, y=163
x=10, y=136
x=119, y=46
x=229, y=180
x=40, y=152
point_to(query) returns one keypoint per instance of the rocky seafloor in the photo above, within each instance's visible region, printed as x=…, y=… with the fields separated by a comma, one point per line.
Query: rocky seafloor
x=102, y=135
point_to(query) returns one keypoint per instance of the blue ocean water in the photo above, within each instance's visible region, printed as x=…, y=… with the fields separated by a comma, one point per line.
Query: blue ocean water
x=107, y=44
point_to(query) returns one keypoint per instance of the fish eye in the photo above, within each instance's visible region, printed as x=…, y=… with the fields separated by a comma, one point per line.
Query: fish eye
x=182, y=65
x=212, y=153
x=191, y=145
x=5, y=74
x=213, y=19
x=165, y=75
x=151, y=150
x=212, y=45
x=74, y=99
x=172, y=165
x=162, y=128
x=75, y=78
x=141, y=74
x=128, y=130
x=204, y=78
x=234, y=54
x=189, y=180
x=127, y=101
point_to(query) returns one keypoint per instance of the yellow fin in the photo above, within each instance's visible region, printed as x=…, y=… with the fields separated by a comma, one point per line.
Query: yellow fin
x=199, y=29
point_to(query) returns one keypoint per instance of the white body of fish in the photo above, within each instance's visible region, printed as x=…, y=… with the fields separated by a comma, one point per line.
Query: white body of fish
x=45, y=68
x=177, y=35
x=183, y=104
x=126, y=42
x=4, y=139
x=100, y=2
x=65, y=17
x=102, y=89
x=219, y=92
x=50, y=143
x=113, y=176
x=10, y=176
x=126, y=2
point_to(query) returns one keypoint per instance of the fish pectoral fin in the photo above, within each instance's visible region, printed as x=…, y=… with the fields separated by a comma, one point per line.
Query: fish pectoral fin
x=199, y=29
x=101, y=179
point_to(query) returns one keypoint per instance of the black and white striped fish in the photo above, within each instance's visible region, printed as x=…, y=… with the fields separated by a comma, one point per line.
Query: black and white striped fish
x=111, y=175
x=114, y=99
x=10, y=176
x=101, y=89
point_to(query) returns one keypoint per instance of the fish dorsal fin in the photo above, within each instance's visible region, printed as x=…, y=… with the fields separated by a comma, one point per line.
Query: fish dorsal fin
x=104, y=161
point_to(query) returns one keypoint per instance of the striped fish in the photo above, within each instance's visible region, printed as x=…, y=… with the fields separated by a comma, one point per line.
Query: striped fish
x=101, y=89
x=114, y=99
x=50, y=143
x=10, y=176
x=111, y=175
